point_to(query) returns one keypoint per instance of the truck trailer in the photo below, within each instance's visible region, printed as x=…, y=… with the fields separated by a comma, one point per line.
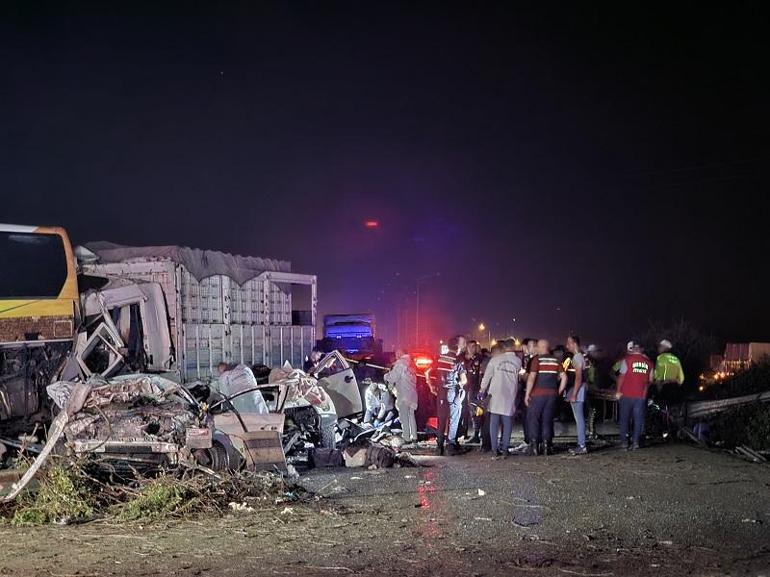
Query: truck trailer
x=220, y=307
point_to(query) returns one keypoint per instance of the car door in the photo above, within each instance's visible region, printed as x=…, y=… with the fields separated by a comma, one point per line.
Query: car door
x=337, y=378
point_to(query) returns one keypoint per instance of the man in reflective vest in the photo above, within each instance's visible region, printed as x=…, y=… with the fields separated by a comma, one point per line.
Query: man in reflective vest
x=449, y=388
x=669, y=376
x=547, y=380
x=636, y=370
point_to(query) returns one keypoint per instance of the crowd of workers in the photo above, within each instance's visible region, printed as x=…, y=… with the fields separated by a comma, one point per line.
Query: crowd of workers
x=484, y=390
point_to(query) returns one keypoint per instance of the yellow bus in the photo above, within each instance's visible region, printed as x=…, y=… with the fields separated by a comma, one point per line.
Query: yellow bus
x=39, y=312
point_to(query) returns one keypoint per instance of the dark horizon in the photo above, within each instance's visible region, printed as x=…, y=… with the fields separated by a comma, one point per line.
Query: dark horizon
x=589, y=168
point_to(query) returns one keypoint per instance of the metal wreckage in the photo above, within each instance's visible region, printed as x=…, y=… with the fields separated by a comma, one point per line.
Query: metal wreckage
x=126, y=371
x=139, y=423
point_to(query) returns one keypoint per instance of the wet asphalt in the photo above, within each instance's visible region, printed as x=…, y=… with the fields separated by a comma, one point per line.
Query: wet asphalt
x=662, y=505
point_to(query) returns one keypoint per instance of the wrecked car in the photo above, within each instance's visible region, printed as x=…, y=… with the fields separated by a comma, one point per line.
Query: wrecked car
x=137, y=424
x=312, y=405
x=143, y=423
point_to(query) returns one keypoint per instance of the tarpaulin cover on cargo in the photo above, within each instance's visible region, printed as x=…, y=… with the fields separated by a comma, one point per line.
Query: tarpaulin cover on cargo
x=200, y=263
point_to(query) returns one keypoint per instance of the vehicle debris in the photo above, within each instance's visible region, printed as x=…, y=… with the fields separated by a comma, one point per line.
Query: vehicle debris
x=144, y=423
x=750, y=454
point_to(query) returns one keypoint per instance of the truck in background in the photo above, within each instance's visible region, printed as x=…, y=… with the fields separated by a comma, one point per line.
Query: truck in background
x=352, y=334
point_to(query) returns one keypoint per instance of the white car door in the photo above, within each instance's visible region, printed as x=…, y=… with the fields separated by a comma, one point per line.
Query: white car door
x=337, y=378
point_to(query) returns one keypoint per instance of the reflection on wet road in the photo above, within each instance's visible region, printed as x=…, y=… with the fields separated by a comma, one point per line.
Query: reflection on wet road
x=430, y=506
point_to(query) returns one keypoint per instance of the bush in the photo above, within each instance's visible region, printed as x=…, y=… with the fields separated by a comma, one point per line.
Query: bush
x=64, y=495
x=161, y=497
x=746, y=425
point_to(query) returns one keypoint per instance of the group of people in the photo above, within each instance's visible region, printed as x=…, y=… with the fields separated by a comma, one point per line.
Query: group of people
x=483, y=392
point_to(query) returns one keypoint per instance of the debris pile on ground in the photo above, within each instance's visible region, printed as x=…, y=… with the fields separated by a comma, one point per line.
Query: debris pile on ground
x=72, y=492
x=363, y=453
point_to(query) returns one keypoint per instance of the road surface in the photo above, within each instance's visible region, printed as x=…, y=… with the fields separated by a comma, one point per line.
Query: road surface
x=666, y=510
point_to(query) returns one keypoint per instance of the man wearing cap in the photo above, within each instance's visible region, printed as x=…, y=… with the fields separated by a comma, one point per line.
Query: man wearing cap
x=547, y=380
x=636, y=371
x=669, y=375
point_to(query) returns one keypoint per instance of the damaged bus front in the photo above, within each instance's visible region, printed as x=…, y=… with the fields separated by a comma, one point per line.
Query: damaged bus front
x=39, y=310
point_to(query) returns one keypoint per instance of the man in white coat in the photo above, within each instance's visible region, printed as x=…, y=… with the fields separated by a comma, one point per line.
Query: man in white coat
x=403, y=382
x=501, y=381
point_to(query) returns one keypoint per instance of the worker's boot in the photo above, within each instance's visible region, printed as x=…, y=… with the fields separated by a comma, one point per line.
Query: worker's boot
x=440, y=447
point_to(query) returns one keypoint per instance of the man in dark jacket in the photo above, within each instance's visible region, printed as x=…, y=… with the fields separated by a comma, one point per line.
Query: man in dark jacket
x=547, y=380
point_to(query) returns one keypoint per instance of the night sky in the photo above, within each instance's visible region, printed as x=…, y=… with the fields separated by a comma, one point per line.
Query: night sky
x=577, y=166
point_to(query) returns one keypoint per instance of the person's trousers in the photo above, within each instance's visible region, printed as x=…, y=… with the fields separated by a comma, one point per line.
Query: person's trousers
x=580, y=421
x=486, y=437
x=408, y=422
x=631, y=409
x=500, y=445
x=472, y=423
x=540, y=414
x=521, y=410
x=450, y=407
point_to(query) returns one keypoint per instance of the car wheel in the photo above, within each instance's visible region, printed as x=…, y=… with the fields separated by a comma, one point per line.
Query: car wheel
x=215, y=458
x=329, y=437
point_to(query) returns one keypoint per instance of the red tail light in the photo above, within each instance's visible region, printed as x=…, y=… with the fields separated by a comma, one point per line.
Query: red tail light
x=422, y=362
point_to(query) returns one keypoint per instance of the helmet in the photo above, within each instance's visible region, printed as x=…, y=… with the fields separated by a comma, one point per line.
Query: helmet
x=666, y=344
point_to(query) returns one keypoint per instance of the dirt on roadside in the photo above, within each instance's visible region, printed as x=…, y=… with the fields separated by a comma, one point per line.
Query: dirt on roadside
x=668, y=510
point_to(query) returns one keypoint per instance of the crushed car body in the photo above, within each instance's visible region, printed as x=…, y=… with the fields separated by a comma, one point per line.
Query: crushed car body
x=132, y=420
x=140, y=423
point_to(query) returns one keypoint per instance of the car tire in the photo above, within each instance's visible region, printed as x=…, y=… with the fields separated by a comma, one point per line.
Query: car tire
x=329, y=437
x=219, y=459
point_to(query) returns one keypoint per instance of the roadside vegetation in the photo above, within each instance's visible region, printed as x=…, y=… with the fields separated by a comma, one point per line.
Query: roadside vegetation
x=747, y=424
x=76, y=492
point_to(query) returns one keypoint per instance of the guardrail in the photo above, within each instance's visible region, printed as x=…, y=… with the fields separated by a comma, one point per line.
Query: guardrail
x=703, y=408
